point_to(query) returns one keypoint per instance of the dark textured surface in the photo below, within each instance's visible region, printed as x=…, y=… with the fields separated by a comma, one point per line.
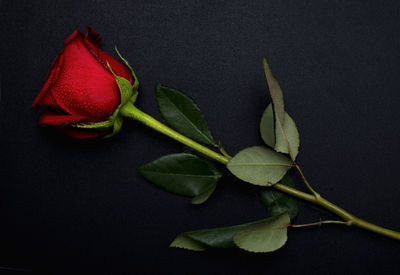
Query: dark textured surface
x=80, y=206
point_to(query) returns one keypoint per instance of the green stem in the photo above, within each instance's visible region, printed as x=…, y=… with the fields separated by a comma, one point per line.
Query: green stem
x=349, y=218
x=306, y=181
x=317, y=223
x=223, y=152
x=129, y=110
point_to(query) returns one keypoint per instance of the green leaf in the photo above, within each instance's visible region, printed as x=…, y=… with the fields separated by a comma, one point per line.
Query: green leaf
x=282, y=143
x=225, y=237
x=274, y=137
x=182, y=114
x=289, y=135
x=277, y=202
x=267, y=236
x=275, y=91
x=216, y=238
x=267, y=126
x=183, y=174
x=199, y=199
x=185, y=242
x=259, y=165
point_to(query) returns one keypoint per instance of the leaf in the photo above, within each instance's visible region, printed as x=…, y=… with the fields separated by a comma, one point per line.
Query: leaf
x=289, y=133
x=199, y=199
x=259, y=165
x=277, y=202
x=274, y=137
x=185, y=242
x=224, y=237
x=275, y=91
x=216, y=238
x=267, y=126
x=267, y=236
x=182, y=114
x=183, y=174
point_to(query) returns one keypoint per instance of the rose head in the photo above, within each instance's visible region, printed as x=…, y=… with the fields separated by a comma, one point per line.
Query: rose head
x=82, y=91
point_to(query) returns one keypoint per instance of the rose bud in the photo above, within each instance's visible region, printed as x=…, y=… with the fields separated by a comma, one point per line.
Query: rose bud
x=85, y=89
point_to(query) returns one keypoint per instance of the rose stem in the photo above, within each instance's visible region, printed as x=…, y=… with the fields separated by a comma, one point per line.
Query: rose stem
x=129, y=110
x=316, y=224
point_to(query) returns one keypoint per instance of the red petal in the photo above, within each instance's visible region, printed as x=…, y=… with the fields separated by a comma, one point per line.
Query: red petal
x=44, y=97
x=103, y=58
x=80, y=133
x=61, y=121
x=116, y=66
x=74, y=35
x=93, y=37
x=51, y=118
x=84, y=86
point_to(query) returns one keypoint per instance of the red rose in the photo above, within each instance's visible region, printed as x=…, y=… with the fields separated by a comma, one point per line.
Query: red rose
x=80, y=88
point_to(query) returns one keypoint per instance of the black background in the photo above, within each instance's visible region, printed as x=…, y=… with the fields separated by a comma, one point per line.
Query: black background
x=81, y=207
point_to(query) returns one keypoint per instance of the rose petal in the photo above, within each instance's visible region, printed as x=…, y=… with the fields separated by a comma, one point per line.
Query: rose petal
x=103, y=58
x=44, y=97
x=80, y=133
x=93, y=37
x=73, y=36
x=84, y=86
x=52, y=118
